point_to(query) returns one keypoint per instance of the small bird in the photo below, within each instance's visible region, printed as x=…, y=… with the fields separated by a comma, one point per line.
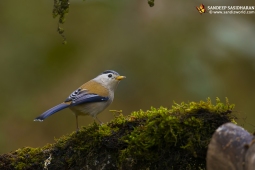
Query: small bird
x=89, y=99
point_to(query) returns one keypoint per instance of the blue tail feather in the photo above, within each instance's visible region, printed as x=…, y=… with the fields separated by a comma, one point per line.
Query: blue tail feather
x=51, y=111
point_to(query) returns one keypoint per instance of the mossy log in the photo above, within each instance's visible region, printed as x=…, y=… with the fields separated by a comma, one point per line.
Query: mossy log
x=162, y=138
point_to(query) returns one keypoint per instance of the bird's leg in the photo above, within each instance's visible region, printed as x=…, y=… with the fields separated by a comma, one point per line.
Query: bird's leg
x=77, y=127
x=99, y=120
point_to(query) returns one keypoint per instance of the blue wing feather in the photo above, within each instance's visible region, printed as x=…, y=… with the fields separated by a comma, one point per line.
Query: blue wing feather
x=88, y=98
x=82, y=96
x=79, y=99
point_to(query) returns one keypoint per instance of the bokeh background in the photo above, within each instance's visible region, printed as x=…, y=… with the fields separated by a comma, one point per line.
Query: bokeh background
x=168, y=52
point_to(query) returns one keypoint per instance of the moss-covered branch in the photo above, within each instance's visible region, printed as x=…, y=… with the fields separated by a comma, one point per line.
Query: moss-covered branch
x=160, y=138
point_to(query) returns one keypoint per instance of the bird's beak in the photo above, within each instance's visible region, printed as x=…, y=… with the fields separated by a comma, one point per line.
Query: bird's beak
x=120, y=77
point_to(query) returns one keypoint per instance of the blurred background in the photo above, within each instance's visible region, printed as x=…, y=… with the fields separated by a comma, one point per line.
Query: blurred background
x=168, y=53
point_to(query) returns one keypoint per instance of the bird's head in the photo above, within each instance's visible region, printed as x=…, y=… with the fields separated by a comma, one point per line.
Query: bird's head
x=109, y=78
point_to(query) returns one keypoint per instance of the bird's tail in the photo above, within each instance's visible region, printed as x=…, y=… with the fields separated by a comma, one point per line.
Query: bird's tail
x=51, y=111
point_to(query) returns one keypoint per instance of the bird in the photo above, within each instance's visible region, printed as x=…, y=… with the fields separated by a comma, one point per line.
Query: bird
x=89, y=99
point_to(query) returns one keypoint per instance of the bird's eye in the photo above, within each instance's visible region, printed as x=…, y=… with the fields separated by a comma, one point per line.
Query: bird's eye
x=109, y=75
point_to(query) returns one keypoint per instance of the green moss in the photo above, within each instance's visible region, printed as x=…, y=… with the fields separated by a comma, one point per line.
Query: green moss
x=174, y=135
x=26, y=157
x=151, y=3
x=159, y=138
x=61, y=9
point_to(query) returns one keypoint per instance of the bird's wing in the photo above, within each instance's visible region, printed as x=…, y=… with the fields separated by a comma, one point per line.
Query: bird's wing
x=80, y=96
